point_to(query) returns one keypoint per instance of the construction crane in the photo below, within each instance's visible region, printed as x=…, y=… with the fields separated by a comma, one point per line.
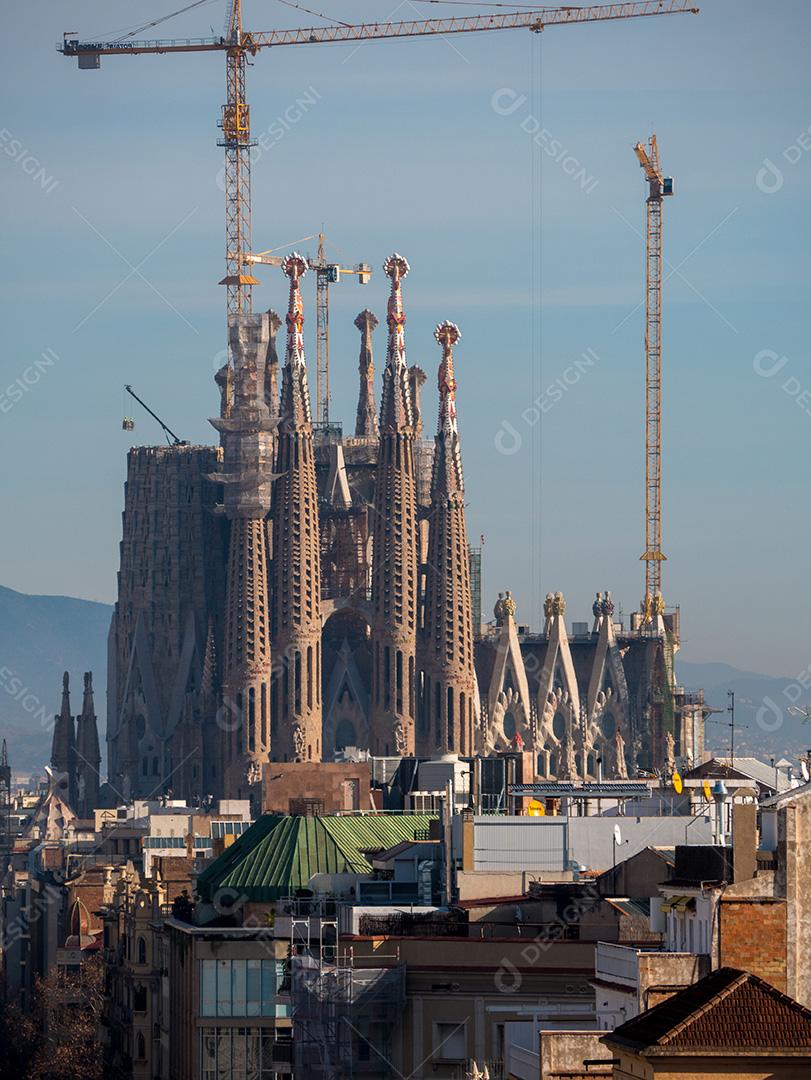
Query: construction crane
x=129, y=424
x=326, y=274
x=659, y=187
x=238, y=44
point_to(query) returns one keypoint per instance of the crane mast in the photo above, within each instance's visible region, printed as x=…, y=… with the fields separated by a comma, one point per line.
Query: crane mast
x=238, y=43
x=659, y=187
x=326, y=274
x=236, y=140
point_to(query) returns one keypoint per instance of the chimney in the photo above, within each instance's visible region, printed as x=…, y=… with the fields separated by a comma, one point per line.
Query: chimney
x=744, y=841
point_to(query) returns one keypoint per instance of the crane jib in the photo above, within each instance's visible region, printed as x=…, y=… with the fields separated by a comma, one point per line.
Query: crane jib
x=535, y=20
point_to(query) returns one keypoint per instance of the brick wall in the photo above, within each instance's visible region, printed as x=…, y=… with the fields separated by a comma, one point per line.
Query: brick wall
x=330, y=786
x=752, y=935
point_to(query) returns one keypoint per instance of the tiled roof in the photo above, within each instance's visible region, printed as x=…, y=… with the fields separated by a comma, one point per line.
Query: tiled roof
x=280, y=854
x=729, y=1009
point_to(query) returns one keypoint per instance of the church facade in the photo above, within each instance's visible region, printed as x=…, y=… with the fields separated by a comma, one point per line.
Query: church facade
x=294, y=591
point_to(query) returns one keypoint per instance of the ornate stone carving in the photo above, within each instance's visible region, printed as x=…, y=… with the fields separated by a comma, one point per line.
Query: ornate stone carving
x=620, y=764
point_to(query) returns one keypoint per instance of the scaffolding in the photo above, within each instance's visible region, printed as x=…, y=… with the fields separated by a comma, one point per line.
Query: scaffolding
x=343, y=1013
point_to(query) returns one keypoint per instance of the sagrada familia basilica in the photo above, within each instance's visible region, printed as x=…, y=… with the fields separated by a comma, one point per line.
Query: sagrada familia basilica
x=293, y=591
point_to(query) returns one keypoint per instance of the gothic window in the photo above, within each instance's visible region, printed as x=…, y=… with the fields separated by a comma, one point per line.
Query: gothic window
x=509, y=726
x=297, y=682
x=559, y=725
x=450, y=718
x=387, y=676
x=411, y=686
x=309, y=676
x=141, y=950
x=399, y=681
x=140, y=1047
x=264, y=711
x=438, y=714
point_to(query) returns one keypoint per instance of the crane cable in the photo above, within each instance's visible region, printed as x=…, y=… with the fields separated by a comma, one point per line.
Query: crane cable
x=317, y=14
x=163, y=19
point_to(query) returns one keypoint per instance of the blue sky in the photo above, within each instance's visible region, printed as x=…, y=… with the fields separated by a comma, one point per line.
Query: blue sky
x=426, y=147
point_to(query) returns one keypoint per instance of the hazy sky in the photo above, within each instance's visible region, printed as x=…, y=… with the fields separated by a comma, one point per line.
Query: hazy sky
x=113, y=228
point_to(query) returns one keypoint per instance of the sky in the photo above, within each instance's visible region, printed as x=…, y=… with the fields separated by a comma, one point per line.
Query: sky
x=501, y=165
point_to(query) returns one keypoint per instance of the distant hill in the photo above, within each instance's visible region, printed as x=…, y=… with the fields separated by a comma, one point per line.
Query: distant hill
x=763, y=724
x=40, y=637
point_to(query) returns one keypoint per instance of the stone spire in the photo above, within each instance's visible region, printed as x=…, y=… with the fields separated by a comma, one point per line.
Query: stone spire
x=63, y=743
x=416, y=379
x=394, y=533
x=272, y=365
x=446, y=639
x=296, y=687
x=5, y=774
x=396, y=414
x=88, y=755
x=248, y=450
x=366, y=423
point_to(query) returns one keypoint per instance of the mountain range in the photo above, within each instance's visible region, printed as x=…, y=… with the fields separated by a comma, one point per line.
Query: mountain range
x=42, y=636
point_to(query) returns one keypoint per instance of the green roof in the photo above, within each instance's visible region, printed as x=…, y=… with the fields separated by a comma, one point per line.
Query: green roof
x=278, y=855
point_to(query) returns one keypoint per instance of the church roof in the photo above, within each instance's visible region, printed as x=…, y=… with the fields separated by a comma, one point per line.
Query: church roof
x=728, y=1010
x=280, y=854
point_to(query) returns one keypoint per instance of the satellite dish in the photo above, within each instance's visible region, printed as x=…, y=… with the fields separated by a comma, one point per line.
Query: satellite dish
x=804, y=771
x=535, y=808
x=617, y=835
x=707, y=791
x=678, y=786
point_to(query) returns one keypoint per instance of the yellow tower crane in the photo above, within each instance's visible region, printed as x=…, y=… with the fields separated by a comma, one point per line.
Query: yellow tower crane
x=238, y=44
x=326, y=273
x=659, y=187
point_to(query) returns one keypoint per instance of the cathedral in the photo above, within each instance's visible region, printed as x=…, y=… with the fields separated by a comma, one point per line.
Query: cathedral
x=294, y=591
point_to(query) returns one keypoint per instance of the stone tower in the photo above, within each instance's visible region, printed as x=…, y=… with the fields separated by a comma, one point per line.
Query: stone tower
x=394, y=532
x=88, y=755
x=296, y=691
x=63, y=744
x=446, y=640
x=248, y=442
x=366, y=426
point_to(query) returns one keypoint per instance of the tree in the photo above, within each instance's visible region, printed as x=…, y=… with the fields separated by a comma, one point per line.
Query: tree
x=68, y=1007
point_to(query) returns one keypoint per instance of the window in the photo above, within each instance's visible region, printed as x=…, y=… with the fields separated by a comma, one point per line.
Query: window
x=240, y=1053
x=140, y=1046
x=306, y=807
x=141, y=951
x=219, y=829
x=450, y=1041
x=239, y=987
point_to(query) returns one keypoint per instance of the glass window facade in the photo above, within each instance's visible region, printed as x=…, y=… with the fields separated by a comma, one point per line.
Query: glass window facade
x=219, y=829
x=164, y=842
x=241, y=988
